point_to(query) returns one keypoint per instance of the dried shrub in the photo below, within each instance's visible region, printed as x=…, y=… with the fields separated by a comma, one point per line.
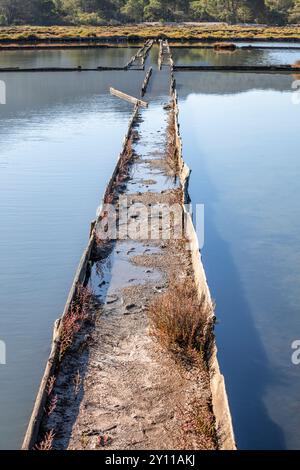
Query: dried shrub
x=109, y=197
x=50, y=385
x=52, y=405
x=104, y=441
x=225, y=46
x=179, y=318
x=199, y=421
x=72, y=322
x=47, y=442
x=123, y=170
x=124, y=162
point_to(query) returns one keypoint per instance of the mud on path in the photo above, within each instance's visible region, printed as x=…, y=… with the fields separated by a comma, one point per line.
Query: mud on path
x=119, y=388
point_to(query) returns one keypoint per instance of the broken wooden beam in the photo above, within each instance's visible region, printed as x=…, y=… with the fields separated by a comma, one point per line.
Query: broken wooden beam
x=141, y=55
x=129, y=98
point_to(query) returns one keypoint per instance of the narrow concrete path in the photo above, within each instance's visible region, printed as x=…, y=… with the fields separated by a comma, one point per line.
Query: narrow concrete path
x=129, y=392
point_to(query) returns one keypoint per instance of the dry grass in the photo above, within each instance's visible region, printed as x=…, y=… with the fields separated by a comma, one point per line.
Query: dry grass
x=227, y=46
x=50, y=385
x=205, y=31
x=179, y=318
x=124, y=162
x=47, y=442
x=52, y=405
x=77, y=381
x=182, y=323
x=112, y=190
x=79, y=312
x=199, y=421
x=123, y=171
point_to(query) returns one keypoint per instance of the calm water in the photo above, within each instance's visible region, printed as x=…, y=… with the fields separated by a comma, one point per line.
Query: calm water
x=60, y=135
x=186, y=56
x=113, y=57
x=241, y=139
x=268, y=44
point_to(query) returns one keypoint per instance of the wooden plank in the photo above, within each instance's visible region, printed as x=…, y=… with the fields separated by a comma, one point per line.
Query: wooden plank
x=129, y=98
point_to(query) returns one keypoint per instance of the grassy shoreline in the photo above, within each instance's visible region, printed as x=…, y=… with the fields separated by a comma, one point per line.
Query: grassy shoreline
x=135, y=33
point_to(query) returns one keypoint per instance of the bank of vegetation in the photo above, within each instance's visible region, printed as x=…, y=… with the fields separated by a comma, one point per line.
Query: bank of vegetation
x=183, y=32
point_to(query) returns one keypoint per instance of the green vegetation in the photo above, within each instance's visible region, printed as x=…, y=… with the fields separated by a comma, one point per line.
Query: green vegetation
x=101, y=12
x=205, y=32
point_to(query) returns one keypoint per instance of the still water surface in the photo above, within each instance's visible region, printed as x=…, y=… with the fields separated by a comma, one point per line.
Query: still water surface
x=110, y=57
x=60, y=135
x=190, y=56
x=59, y=138
x=241, y=139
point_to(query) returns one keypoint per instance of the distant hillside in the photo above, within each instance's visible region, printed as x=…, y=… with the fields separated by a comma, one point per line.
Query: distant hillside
x=100, y=12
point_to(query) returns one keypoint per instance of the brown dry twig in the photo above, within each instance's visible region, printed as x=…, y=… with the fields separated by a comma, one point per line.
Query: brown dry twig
x=77, y=383
x=47, y=442
x=73, y=320
x=179, y=318
x=50, y=385
x=52, y=405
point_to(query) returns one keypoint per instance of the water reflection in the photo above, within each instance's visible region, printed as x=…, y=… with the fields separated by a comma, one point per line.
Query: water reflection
x=191, y=56
x=110, y=57
x=60, y=135
x=219, y=83
x=242, y=148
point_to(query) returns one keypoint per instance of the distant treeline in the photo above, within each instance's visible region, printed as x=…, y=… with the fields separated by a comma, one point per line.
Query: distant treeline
x=98, y=12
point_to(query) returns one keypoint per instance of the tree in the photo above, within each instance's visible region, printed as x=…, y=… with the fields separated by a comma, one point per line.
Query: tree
x=222, y=10
x=258, y=9
x=278, y=10
x=154, y=10
x=134, y=10
x=112, y=11
x=294, y=12
x=244, y=14
x=43, y=11
x=200, y=10
x=10, y=9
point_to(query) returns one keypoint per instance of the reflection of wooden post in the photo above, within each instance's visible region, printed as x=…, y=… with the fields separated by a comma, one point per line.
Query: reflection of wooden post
x=129, y=98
